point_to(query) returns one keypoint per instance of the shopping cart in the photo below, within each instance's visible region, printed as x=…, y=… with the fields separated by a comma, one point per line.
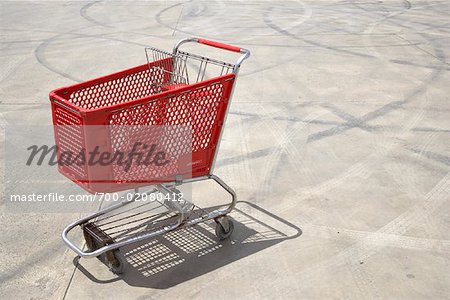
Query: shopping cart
x=172, y=89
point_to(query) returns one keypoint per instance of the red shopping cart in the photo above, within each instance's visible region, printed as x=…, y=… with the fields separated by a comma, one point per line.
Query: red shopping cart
x=172, y=89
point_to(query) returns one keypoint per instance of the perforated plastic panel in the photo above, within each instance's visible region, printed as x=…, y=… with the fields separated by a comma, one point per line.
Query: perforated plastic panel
x=69, y=138
x=142, y=83
x=197, y=108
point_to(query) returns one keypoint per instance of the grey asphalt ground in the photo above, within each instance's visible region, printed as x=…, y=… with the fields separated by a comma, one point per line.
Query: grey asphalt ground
x=338, y=138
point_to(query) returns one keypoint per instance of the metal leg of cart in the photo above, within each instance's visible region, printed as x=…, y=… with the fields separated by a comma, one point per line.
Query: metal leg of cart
x=101, y=245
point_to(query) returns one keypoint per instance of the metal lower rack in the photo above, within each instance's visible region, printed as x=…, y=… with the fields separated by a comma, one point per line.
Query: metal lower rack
x=125, y=223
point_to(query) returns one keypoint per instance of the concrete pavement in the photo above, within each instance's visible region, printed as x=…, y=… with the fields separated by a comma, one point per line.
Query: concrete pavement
x=338, y=137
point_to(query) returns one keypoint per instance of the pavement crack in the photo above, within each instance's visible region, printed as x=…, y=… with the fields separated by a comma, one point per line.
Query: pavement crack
x=178, y=21
x=71, y=279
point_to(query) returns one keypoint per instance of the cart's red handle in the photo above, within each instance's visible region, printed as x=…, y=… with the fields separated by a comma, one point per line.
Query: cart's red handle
x=219, y=45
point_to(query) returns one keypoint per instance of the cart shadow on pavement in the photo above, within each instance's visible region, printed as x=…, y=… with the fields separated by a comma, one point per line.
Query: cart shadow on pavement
x=182, y=255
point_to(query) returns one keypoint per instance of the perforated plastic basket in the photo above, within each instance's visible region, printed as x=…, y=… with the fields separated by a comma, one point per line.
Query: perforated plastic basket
x=132, y=97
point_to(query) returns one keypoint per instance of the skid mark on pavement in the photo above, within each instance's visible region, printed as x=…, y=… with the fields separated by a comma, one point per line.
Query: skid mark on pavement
x=370, y=244
x=432, y=155
x=364, y=169
x=284, y=143
x=378, y=239
x=85, y=15
x=40, y=51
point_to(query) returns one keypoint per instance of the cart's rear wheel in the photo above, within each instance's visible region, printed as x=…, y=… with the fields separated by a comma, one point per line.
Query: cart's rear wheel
x=222, y=232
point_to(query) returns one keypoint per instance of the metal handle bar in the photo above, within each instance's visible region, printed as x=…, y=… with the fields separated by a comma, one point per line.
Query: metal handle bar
x=219, y=45
x=216, y=45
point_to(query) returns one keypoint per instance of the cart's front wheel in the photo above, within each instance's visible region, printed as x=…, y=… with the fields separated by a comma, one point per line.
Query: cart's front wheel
x=117, y=265
x=224, y=228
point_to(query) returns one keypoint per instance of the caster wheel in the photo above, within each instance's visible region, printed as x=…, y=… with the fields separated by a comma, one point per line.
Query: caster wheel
x=221, y=233
x=117, y=265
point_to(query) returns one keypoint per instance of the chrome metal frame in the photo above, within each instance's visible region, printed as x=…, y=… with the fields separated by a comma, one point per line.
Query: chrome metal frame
x=164, y=188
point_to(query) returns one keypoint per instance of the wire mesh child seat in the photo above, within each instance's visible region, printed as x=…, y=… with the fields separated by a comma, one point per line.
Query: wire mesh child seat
x=173, y=88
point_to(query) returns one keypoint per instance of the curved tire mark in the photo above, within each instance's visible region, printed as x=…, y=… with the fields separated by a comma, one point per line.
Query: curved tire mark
x=85, y=15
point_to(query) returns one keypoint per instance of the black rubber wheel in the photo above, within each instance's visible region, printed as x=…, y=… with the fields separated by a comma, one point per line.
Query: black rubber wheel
x=221, y=233
x=117, y=266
